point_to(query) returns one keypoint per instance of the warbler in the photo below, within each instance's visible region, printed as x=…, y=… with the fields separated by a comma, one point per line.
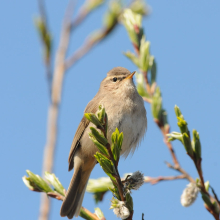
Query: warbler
x=126, y=111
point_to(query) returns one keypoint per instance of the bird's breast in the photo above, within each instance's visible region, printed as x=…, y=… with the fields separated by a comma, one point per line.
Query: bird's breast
x=129, y=116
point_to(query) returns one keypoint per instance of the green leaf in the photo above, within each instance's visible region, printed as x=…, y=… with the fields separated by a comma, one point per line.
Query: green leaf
x=196, y=145
x=129, y=202
x=93, y=118
x=105, y=163
x=99, y=137
x=156, y=105
x=91, y=5
x=141, y=85
x=206, y=199
x=101, y=147
x=28, y=183
x=133, y=58
x=207, y=186
x=132, y=23
x=175, y=136
x=101, y=114
x=153, y=69
x=139, y=7
x=54, y=181
x=187, y=144
x=99, y=213
x=99, y=185
x=120, y=140
x=177, y=111
x=182, y=125
x=144, y=54
x=111, y=16
x=39, y=182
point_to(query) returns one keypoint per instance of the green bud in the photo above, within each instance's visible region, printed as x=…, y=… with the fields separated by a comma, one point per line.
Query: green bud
x=91, y=5
x=177, y=111
x=39, y=182
x=207, y=186
x=99, y=137
x=139, y=7
x=182, y=125
x=93, y=118
x=101, y=147
x=132, y=57
x=132, y=23
x=54, y=181
x=28, y=183
x=112, y=14
x=196, y=144
x=99, y=213
x=156, y=105
x=45, y=36
x=187, y=144
x=129, y=202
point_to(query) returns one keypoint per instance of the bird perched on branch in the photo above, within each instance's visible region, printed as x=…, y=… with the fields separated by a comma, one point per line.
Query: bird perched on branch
x=126, y=111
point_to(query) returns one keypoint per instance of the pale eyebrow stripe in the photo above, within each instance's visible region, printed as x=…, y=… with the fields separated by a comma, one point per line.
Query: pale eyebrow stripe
x=117, y=76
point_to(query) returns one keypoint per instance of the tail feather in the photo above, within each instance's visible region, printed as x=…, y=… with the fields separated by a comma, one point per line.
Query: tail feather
x=71, y=194
x=77, y=206
x=74, y=197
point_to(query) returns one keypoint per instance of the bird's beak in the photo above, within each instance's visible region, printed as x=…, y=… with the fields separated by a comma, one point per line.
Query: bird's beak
x=131, y=75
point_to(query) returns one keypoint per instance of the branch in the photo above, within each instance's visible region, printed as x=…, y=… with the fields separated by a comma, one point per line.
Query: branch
x=84, y=213
x=91, y=41
x=153, y=181
x=54, y=107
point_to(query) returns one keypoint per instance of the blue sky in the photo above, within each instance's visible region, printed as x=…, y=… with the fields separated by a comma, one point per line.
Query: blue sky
x=184, y=38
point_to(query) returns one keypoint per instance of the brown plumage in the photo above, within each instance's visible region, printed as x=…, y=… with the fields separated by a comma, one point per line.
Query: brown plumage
x=125, y=109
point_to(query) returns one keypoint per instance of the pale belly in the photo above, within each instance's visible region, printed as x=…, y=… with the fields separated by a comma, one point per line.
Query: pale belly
x=132, y=123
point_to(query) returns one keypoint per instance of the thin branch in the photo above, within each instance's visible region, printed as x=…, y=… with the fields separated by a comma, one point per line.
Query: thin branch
x=47, y=62
x=83, y=213
x=88, y=45
x=179, y=169
x=153, y=181
x=54, y=107
x=147, y=100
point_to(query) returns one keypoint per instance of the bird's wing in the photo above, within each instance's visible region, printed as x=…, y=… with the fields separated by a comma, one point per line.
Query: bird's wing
x=92, y=107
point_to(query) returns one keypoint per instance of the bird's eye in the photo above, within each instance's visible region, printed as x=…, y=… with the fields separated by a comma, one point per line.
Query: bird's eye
x=115, y=79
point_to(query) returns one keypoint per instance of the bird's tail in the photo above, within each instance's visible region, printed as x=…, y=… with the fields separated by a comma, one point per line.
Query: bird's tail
x=73, y=200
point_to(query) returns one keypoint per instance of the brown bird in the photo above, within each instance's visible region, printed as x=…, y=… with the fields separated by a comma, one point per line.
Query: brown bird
x=126, y=111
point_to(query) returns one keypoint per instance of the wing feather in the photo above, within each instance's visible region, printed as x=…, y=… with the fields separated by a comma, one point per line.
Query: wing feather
x=92, y=107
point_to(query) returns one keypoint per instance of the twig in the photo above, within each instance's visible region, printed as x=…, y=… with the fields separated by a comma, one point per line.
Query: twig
x=147, y=100
x=153, y=181
x=147, y=84
x=83, y=212
x=88, y=44
x=179, y=169
x=47, y=61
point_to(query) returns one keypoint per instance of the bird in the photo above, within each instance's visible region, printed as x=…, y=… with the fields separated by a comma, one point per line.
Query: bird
x=126, y=111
